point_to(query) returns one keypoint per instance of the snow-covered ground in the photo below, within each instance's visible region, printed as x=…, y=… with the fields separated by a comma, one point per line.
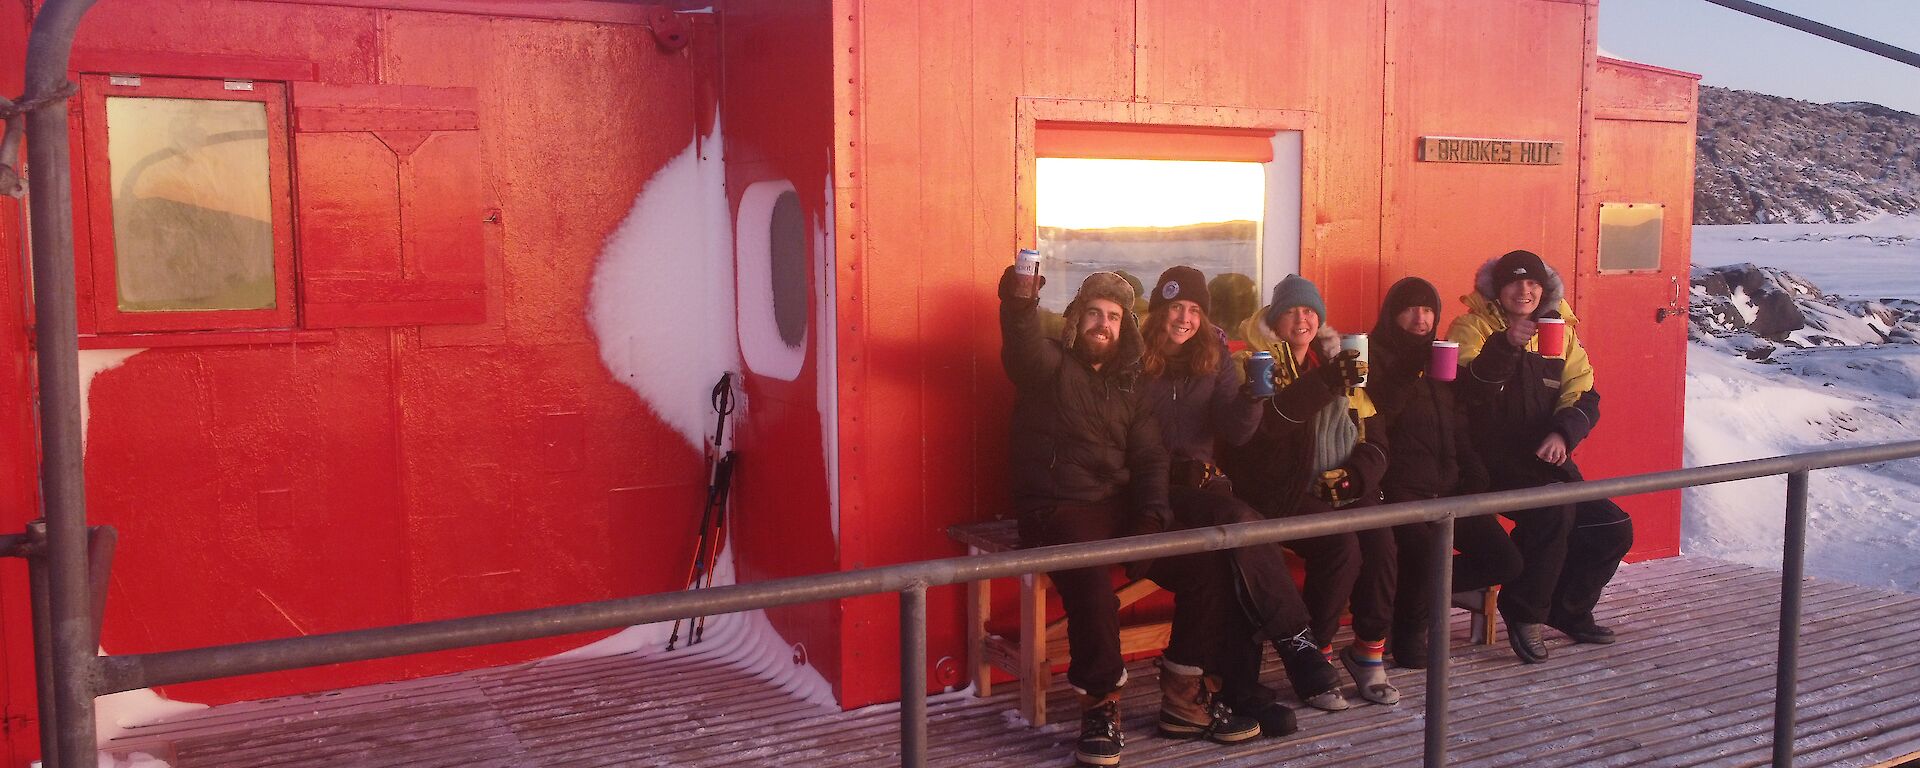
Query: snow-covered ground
x=1871, y=260
x=1865, y=521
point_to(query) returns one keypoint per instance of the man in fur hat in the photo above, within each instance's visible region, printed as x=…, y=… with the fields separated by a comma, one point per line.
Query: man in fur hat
x=1088, y=463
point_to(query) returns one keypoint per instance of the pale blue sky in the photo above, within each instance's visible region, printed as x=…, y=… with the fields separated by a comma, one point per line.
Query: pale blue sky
x=1734, y=50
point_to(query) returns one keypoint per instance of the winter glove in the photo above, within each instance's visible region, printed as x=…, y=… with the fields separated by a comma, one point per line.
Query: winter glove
x=1343, y=372
x=1338, y=487
x=1007, y=279
x=1473, y=478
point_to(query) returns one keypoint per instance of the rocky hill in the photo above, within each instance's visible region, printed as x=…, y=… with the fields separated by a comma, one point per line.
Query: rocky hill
x=1770, y=159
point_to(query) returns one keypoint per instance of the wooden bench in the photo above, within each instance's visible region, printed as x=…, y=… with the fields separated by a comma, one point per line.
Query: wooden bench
x=1032, y=663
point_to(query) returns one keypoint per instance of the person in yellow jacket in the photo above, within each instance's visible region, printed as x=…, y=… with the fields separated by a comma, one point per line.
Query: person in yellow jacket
x=1527, y=412
x=1321, y=447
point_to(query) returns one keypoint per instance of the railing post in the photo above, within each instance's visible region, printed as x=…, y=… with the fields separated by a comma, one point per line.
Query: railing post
x=43, y=645
x=913, y=676
x=1793, y=557
x=1440, y=603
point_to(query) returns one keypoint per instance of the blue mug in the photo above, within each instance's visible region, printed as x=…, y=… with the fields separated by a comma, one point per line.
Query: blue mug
x=1260, y=373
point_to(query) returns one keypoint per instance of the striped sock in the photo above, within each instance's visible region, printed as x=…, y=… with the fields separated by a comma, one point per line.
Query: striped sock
x=1369, y=652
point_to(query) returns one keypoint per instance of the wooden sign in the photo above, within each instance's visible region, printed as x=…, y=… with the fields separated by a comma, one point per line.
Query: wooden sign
x=1453, y=149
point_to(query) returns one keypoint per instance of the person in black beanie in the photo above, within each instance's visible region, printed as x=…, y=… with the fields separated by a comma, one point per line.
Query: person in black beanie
x=1430, y=455
x=1527, y=412
x=1201, y=400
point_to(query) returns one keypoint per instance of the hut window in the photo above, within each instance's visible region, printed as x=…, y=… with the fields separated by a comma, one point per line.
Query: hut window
x=1139, y=217
x=775, y=281
x=187, y=205
x=1630, y=235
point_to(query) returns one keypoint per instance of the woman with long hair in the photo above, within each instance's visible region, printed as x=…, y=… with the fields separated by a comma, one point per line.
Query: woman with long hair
x=1201, y=400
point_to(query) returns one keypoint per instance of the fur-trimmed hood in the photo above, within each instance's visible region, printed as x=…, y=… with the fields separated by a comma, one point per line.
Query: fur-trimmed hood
x=1486, y=301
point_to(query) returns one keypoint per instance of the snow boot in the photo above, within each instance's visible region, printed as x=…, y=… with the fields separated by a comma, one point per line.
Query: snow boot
x=1369, y=674
x=1526, y=641
x=1263, y=704
x=1584, y=632
x=1314, y=679
x=1100, y=738
x=1190, y=710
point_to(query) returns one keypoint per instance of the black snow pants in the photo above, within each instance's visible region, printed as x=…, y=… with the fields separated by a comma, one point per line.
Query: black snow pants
x=1568, y=555
x=1202, y=584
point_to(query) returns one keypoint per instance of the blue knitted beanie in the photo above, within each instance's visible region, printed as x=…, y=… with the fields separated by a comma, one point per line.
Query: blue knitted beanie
x=1295, y=291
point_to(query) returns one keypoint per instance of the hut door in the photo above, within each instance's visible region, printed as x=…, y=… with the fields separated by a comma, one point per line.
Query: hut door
x=1633, y=292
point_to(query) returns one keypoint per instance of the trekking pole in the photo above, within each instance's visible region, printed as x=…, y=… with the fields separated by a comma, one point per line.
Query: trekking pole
x=694, y=564
x=719, y=489
x=701, y=564
x=723, y=487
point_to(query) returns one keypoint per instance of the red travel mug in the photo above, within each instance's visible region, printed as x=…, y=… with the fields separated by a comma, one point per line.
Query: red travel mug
x=1552, y=335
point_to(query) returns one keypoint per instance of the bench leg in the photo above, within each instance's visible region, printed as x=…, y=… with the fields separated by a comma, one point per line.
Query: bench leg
x=1035, y=673
x=979, y=606
x=1489, y=607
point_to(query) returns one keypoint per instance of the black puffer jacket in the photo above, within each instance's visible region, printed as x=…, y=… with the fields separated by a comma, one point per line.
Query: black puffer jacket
x=1081, y=435
x=1273, y=471
x=1195, y=411
x=1431, y=454
x=1514, y=397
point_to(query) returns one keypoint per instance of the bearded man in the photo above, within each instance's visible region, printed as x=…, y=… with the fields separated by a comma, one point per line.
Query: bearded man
x=1088, y=463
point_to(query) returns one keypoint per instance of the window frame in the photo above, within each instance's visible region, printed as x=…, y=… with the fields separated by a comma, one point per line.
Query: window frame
x=96, y=214
x=1030, y=113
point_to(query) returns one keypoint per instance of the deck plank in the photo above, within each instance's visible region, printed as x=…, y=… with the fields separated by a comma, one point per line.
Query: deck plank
x=1691, y=683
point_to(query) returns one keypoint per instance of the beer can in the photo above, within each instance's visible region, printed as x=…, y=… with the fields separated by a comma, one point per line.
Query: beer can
x=1260, y=373
x=1026, y=274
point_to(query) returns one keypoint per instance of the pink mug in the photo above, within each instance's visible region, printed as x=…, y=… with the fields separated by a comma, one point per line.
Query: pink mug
x=1445, y=361
x=1552, y=334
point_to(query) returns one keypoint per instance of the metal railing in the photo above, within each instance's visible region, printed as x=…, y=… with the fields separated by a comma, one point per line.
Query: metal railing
x=109, y=674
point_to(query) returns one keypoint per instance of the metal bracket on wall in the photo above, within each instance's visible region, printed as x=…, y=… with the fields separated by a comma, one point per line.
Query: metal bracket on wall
x=669, y=30
x=12, y=182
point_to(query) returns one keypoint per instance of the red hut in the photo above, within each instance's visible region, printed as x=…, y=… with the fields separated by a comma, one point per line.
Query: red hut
x=399, y=310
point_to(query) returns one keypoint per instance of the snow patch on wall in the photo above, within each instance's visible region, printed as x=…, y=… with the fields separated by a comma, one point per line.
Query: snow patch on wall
x=662, y=301
x=94, y=362
x=115, y=714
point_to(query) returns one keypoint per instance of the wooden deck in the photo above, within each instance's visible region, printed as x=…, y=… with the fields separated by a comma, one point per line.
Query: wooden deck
x=1691, y=683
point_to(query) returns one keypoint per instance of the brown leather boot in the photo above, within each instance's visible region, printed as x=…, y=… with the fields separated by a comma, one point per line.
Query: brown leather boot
x=1189, y=710
x=1100, y=738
